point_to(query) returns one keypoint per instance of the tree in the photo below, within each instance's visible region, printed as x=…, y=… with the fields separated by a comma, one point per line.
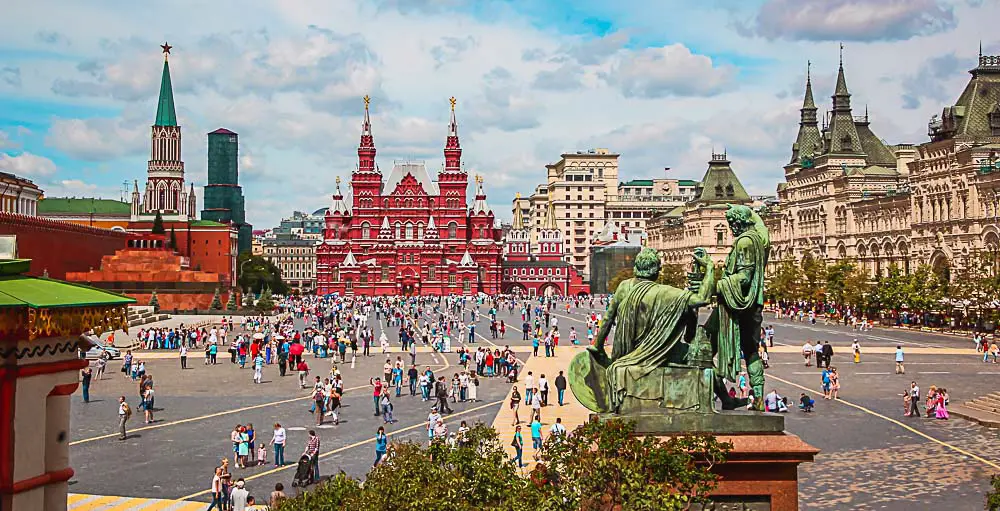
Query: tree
x=672, y=275
x=620, y=277
x=604, y=465
x=173, y=238
x=248, y=298
x=477, y=475
x=158, y=224
x=993, y=497
x=600, y=466
x=154, y=302
x=784, y=284
x=925, y=289
x=216, y=301
x=978, y=283
x=257, y=273
x=813, y=283
x=265, y=304
x=231, y=303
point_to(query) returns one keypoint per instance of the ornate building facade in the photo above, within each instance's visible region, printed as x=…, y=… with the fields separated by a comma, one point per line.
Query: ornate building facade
x=407, y=233
x=848, y=195
x=538, y=270
x=700, y=222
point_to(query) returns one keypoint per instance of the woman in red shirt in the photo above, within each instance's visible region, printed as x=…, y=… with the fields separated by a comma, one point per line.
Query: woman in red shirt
x=376, y=392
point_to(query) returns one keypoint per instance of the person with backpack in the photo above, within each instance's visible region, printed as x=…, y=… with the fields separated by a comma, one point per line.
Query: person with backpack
x=124, y=414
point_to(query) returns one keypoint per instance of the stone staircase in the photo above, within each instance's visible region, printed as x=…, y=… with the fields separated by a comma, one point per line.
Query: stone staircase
x=985, y=410
x=142, y=314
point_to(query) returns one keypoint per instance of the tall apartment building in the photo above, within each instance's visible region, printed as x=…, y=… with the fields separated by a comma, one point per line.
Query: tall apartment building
x=223, y=194
x=295, y=257
x=586, y=195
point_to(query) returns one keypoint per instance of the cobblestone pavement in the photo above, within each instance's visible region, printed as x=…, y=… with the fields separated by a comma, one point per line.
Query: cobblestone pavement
x=867, y=461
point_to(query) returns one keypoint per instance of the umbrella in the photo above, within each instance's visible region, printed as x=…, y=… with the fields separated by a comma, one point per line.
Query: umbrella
x=258, y=336
x=279, y=337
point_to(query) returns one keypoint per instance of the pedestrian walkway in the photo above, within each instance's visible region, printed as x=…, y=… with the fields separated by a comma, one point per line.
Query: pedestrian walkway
x=885, y=350
x=84, y=502
x=572, y=412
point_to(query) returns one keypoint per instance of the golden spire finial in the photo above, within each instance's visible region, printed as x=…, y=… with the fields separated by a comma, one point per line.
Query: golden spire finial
x=517, y=195
x=479, y=179
x=452, y=100
x=367, y=99
x=338, y=180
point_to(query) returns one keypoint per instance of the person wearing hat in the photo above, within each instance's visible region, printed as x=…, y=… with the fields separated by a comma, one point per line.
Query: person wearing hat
x=238, y=497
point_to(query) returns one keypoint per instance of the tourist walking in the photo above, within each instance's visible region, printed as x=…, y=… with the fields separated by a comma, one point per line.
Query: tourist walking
x=124, y=414
x=899, y=360
x=515, y=404
x=312, y=450
x=914, y=392
x=381, y=445
x=184, y=357
x=518, y=444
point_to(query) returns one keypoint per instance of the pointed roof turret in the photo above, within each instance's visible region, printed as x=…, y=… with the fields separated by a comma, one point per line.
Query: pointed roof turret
x=339, y=206
x=165, y=113
x=467, y=260
x=431, y=232
x=550, y=214
x=349, y=259
x=720, y=184
x=366, y=148
x=518, y=222
x=385, y=232
x=479, y=207
x=841, y=97
x=452, y=147
x=809, y=136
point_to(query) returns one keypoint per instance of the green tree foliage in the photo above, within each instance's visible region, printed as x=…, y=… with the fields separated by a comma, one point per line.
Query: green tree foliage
x=248, y=298
x=979, y=283
x=600, y=466
x=925, y=289
x=475, y=476
x=216, y=301
x=231, y=303
x=846, y=284
x=158, y=224
x=673, y=275
x=784, y=284
x=154, y=302
x=173, y=238
x=813, y=283
x=259, y=273
x=606, y=466
x=620, y=277
x=265, y=304
x=993, y=497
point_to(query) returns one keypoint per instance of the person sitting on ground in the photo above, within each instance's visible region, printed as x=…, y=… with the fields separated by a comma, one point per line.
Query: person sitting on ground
x=806, y=403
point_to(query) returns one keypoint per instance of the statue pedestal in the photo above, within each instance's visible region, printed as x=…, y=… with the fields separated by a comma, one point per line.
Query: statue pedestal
x=761, y=473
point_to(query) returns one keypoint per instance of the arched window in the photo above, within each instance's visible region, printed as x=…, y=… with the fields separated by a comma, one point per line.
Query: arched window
x=466, y=286
x=452, y=230
x=409, y=231
x=363, y=279
x=431, y=272
x=336, y=274
x=349, y=285
x=420, y=231
x=385, y=273
x=398, y=230
x=366, y=230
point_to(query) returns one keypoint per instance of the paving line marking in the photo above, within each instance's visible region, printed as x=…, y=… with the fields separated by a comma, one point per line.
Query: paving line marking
x=987, y=372
x=422, y=424
x=871, y=373
x=77, y=497
x=933, y=372
x=445, y=366
x=127, y=503
x=900, y=424
x=97, y=503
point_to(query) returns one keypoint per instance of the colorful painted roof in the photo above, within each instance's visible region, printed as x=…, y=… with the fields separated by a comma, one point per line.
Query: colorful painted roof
x=83, y=205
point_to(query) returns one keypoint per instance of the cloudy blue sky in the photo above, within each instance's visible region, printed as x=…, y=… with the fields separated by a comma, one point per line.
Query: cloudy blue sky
x=660, y=81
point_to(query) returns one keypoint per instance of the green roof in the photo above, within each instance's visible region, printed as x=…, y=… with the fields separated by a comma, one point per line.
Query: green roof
x=65, y=205
x=720, y=184
x=873, y=170
x=206, y=223
x=638, y=182
x=687, y=182
x=165, y=113
x=23, y=291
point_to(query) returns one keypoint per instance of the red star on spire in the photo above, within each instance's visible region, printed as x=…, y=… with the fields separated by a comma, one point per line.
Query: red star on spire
x=166, y=48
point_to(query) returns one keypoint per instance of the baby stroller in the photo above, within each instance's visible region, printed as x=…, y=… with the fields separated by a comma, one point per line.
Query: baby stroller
x=303, y=473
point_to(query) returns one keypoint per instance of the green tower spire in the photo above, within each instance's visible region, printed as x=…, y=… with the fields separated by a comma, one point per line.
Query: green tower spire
x=165, y=114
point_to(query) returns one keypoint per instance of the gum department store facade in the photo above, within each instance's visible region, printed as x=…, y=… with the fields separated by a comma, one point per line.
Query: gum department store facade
x=848, y=195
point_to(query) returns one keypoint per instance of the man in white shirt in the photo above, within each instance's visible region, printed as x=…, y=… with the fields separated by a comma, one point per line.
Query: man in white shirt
x=807, y=351
x=557, y=430
x=529, y=386
x=771, y=401
x=123, y=413
x=184, y=357
x=238, y=496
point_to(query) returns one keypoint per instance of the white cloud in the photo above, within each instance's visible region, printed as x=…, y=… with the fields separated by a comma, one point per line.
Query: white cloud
x=668, y=71
x=98, y=138
x=11, y=76
x=451, y=49
x=852, y=20
x=26, y=164
x=6, y=142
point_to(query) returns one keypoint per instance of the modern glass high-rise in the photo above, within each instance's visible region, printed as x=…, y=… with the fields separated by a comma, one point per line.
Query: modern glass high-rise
x=223, y=197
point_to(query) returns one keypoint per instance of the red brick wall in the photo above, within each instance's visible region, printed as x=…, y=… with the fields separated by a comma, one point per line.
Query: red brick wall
x=60, y=247
x=209, y=248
